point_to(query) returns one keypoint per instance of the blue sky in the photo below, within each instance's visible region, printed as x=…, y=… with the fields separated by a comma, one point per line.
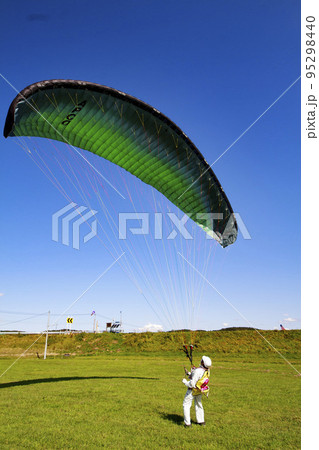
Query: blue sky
x=213, y=68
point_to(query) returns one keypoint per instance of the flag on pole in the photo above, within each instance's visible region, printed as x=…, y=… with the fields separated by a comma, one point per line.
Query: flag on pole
x=282, y=328
x=92, y=313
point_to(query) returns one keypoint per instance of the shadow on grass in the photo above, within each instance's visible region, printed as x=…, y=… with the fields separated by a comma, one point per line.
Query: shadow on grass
x=176, y=418
x=54, y=380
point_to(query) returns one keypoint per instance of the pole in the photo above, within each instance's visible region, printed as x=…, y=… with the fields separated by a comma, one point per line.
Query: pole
x=121, y=321
x=46, y=337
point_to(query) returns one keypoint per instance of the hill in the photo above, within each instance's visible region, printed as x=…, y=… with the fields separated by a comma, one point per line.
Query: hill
x=230, y=342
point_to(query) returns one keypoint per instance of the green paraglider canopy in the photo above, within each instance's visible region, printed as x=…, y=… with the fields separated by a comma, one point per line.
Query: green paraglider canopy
x=131, y=134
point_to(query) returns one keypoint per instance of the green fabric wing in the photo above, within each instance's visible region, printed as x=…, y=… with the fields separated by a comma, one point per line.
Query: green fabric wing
x=131, y=134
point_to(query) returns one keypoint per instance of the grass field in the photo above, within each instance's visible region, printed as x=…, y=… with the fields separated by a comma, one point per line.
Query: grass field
x=134, y=401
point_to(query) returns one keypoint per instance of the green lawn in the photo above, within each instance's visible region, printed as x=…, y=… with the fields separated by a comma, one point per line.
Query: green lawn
x=135, y=402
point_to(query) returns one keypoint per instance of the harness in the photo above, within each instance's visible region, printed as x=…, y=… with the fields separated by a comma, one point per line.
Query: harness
x=202, y=385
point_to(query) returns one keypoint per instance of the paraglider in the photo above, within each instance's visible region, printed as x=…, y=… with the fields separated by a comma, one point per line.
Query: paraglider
x=138, y=138
x=196, y=386
x=131, y=134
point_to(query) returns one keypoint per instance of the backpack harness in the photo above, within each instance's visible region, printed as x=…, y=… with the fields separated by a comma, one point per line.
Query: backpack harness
x=201, y=386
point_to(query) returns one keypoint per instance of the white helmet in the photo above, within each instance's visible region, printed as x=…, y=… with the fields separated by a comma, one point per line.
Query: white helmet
x=206, y=362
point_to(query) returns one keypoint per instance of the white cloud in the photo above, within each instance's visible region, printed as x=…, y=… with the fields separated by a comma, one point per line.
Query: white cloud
x=1, y=294
x=225, y=324
x=153, y=327
x=290, y=319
